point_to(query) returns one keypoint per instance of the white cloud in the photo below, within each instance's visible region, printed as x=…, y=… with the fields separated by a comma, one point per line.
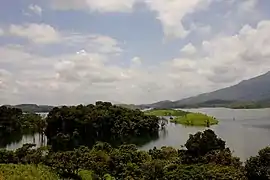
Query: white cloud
x=36, y=9
x=93, y=42
x=171, y=14
x=188, y=49
x=247, y=5
x=136, y=61
x=36, y=33
x=2, y=32
x=93, y=5
x=90, y=75
x=106, y=44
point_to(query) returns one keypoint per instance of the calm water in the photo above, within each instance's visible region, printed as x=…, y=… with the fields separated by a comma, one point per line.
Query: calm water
x=246, y=135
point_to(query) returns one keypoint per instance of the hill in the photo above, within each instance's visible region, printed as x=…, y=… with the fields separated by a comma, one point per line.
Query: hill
x=33, y=108
x=254, y=92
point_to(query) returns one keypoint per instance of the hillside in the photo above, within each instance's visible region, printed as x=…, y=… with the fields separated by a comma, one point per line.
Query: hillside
x=252, y=91
x=33, y=108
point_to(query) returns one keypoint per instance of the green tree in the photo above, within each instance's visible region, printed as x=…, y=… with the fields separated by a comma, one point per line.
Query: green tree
x=258, y=167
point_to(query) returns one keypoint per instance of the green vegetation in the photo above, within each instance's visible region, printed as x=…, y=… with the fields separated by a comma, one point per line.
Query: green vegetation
x=14, y=120
x=165, y=112
x=26, y=172
x=69, y=127
x=205, y=156
x=250, y=105
x=195, y=119
x=184, y=117
x=258, y=167
x=14, y=123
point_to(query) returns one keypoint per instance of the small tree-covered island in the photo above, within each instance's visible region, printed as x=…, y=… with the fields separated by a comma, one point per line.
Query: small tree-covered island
x=184, y=117
x=97, y=142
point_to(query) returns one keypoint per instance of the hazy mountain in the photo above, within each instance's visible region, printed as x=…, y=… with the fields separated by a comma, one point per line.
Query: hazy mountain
x=253, y=90
x=33, y=108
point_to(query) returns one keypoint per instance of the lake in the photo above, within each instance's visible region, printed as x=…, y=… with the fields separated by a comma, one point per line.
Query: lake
x=245, y=131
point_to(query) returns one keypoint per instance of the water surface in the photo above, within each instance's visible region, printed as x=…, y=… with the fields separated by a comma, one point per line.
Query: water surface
x=245, y=131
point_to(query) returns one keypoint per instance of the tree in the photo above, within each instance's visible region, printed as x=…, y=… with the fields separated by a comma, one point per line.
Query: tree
x=258, y=167
x=203, y=142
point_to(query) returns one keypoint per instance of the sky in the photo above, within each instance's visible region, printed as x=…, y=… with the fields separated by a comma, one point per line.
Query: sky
x=128, y=51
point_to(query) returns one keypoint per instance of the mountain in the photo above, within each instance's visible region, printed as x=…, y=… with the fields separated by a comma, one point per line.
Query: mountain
x=33, y=108
x=255, y=90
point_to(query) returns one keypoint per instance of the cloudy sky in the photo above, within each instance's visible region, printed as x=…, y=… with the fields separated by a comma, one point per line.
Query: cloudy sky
x=129, y=51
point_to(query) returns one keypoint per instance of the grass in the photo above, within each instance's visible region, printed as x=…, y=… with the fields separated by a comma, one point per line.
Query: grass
x=165, y=112
x=85, y=174
x=195, y=119
x=26, y=172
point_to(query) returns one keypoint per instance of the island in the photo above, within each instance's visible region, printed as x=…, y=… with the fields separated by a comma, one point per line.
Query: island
x=184, y=117
x=195, y=119
x=166, y=112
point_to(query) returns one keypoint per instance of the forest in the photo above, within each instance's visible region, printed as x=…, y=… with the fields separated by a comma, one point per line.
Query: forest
x=14, y=123
x=70, y=127
x=94, y=142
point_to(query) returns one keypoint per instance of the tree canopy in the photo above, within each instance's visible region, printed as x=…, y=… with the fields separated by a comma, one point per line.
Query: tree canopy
x=69, y=127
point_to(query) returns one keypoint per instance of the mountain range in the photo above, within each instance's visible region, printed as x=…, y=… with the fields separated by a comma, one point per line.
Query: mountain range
x=252, y=93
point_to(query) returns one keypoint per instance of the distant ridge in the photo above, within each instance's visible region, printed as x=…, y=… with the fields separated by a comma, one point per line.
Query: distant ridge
x=33, y=108
x=255, y=91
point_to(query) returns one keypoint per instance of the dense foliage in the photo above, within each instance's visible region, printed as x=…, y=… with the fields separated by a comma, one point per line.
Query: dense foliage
x=14, y=123
x=204, y=157
x=69, y=127
x=13, y=119
x=26, y=172
x=9, y=119
x=195, y=119
x=259, y=167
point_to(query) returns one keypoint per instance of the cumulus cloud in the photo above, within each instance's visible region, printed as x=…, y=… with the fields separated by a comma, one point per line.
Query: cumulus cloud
x=35, y=9
x=171, y=14
x=85, y=77
x=86, y=72
x=136, y=61
x=36, y=33
x=46, y=34
x=188, y=49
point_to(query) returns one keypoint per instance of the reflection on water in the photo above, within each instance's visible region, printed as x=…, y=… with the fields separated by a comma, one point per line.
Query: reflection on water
x=38, y=139
x=8, y=138
x=245, y=132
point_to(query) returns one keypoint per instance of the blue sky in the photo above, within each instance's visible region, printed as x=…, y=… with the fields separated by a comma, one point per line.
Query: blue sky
x=128, y=51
